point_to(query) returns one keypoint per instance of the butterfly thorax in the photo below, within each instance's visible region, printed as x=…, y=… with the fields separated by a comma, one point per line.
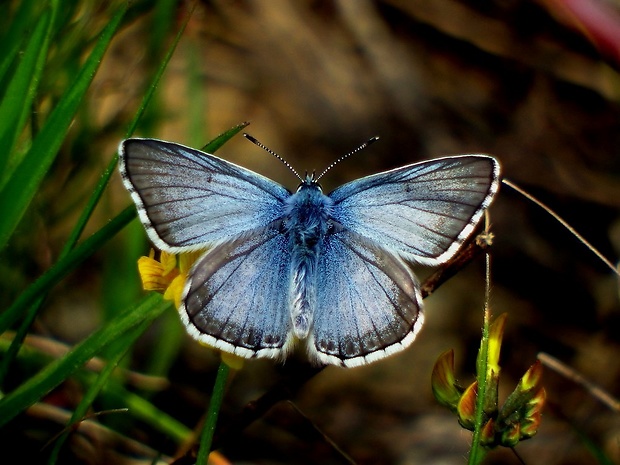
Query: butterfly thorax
x=307, y=215
x=306, y=222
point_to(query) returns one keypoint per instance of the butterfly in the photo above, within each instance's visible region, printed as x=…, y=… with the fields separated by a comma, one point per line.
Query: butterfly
x=330, y=273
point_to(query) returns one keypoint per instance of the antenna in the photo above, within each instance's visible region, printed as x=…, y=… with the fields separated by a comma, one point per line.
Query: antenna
x=363, y=146
x=268, y=150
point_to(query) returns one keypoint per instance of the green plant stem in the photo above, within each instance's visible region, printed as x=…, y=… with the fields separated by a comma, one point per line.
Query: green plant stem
x=206, y=437
x=478, y=452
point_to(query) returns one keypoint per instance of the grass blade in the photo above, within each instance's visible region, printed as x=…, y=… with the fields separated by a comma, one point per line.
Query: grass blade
x=206, y=437
x=122, y=346
x=21, y=90
x=220, y=140
x=111, y=168
x=20, y=23
x=56, y=372
x=63, y=267
x=27, y=177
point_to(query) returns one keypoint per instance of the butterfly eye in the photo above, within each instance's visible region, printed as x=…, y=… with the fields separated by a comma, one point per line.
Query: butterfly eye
x=310, y=181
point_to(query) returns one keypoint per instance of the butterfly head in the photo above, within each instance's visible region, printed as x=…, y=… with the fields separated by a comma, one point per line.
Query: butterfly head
x=310, y=182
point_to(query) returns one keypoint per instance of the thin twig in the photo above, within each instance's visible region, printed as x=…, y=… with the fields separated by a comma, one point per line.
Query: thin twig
x=569, y=373
x=559, y=219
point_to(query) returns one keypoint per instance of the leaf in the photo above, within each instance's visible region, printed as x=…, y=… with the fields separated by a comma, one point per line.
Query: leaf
x=21, y=89
x=63, y=267
x=56, y=372
x=25, y=181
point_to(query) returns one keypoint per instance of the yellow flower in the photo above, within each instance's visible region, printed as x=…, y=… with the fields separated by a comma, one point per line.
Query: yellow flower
x=233, y=361
x=496, y=333
x=153, y=273
x=164, y=275
x=167, y=276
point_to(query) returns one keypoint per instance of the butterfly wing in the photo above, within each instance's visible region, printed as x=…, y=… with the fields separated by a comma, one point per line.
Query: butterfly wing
x=425, y=211
x=187, y=199
x=236, y=297
x=369, y=304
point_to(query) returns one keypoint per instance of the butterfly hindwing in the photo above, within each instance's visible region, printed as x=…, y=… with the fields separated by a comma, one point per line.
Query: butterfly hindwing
x=187, y=198
x=368, y=306
x=237, y=295
x=425, y=211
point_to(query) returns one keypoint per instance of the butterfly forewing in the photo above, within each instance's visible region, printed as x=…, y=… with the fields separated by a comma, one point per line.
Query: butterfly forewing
x=368, y=304
x=187, y=198
x=424, y=211
x=236, y=297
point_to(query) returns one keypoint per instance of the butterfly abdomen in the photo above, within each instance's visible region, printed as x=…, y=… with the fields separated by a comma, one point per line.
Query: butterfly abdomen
x=306, y=223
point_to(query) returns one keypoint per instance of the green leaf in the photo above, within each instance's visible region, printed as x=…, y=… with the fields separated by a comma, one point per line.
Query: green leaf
x=63, y=267
x=224, y=137
x=23, y=305
x=21, y=90
x=20, y=23
x=56, y=372
x=122, y=346
x=27, y=177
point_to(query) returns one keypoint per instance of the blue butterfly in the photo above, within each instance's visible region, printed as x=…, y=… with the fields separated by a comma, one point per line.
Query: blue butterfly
x=330, y=273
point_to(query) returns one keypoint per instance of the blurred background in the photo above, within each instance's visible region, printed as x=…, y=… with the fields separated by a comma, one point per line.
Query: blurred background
x=533, y=83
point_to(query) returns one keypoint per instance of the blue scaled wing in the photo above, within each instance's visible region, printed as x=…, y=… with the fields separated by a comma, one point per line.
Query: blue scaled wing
x=236, y=297
x=188, y=199
x=423, y=211
x=369, y=303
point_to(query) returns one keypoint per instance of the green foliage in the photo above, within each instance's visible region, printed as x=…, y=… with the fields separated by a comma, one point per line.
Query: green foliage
x=25, y=179
x=49, y=58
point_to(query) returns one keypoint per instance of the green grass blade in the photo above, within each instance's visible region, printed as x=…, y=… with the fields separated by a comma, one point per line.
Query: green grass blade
x=63, y=267
x=206, y=437
x=122, y=345
x=19, y=24
x=78, y=228
x=220, y=140
x=171, y=336
x=27, y=177
x=16, y=343
x=161, y=22
x=56, y=372
x=111, y=168
x=145, y=411
x=21, y=90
